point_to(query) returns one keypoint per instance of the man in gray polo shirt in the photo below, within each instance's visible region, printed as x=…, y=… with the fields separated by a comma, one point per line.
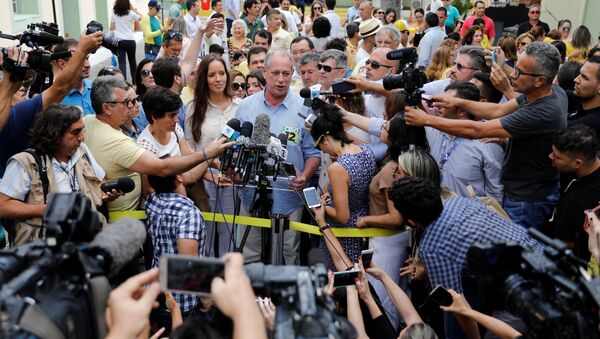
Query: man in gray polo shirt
x=530, y=121
x=282, y=106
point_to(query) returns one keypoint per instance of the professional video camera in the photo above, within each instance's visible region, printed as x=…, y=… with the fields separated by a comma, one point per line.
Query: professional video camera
x=109, y=41
x=60, y=285
x=410, y=78
x=302, y=311
x=40, y=37
x=550, y=291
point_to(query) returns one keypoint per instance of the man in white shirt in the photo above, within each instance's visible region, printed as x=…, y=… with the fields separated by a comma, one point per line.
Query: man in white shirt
x=192, y=21
x=378, y=66
x=333, y=18
x=289, y=18
x=232, y=12
x=300, y=46
x=434, y=35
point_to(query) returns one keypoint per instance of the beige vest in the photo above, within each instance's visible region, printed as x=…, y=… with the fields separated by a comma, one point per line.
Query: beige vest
x=31, y=229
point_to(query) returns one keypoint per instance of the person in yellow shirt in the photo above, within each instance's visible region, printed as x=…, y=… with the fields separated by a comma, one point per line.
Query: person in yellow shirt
x=153, y=30
x=582, y=43
x=281, y=37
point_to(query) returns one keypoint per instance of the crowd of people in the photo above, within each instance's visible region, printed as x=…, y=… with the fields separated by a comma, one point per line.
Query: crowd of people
x=505, y=139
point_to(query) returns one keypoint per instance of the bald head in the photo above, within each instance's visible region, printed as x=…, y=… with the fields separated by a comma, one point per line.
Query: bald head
x=378, y=65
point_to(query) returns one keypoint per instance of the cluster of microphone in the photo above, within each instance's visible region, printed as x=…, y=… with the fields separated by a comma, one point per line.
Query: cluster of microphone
x=255, y=149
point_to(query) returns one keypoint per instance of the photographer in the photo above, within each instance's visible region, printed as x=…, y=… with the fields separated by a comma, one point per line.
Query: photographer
x=16, y=122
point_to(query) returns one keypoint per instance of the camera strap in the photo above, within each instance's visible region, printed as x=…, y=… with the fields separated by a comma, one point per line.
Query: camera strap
x=37, y=322
x=42, y=168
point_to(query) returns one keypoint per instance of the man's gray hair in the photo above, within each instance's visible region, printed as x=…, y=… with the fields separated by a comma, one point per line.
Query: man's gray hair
x=547, y=59
x=339, y=57
x=392, y=31
x=103, y=90
x=272, y=52
x=308, y=58
x=476, y=56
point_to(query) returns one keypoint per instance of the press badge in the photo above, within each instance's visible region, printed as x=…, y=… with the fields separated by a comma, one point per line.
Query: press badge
x=293, y=134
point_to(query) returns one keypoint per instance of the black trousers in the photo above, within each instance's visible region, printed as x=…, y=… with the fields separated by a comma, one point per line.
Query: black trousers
x=127, y=47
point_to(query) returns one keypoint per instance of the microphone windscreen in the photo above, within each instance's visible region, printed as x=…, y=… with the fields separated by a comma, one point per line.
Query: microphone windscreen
x=234, y=123
x=124, y=184
x=283, y=138
x=247, y=128
x=262, y=130
x=120, y=242
x=305, y=93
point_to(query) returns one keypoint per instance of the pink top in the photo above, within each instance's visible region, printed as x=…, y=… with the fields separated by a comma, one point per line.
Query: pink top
x=488, y=30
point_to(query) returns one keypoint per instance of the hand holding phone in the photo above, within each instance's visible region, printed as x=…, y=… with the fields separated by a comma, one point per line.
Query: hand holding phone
x=366, y=256
x=345, y=278
x=189, y=274
x=311, y=197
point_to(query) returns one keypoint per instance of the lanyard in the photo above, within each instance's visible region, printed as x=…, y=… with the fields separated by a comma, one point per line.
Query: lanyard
x=444, y=156
x=72, y=178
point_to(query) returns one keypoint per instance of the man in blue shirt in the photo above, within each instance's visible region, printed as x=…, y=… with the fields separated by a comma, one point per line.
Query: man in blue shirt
x=79, y=95
x=449, y=230
x=16, y=121
x=283, y=107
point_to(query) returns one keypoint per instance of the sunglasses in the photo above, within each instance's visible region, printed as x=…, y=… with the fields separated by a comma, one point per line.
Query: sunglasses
x=566, y=29
x=319, y=139
x=385, y=126
x=460, y=67
x=326, y=68
x=381, y=12
x=145, y=73
x=534, y=12
x=317, y=8
x=375, y=64
x=523, y=43
x=237, y=86
x=173, y=35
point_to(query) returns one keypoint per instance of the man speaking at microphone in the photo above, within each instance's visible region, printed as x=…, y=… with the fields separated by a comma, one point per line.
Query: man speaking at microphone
x=282, y=106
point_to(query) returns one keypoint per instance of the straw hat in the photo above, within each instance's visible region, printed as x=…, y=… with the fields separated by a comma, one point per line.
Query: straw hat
x=368, y=27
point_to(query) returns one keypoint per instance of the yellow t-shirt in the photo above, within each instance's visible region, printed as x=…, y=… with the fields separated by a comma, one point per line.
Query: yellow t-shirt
x=115, y=152
x=243, y=67
x=485, y=42
x=351, y=54
x=187, y=95
x=282, y=39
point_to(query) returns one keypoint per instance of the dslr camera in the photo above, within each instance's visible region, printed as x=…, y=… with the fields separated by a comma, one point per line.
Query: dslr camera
x=109, y=41
x=409, y=77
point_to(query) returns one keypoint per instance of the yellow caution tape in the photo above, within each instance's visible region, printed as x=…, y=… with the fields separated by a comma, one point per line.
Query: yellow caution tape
x=262, y=222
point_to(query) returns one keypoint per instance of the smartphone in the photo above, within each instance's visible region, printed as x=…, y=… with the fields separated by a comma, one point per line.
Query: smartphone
x=493, y=57
x=189, y=274
x=311, y=197
x=345, y=278
x=440, y=296
x=366, y=256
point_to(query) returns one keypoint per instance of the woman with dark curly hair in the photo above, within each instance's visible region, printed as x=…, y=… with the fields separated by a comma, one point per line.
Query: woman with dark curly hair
x=122, y=20
x=321, y=31
x=349, y=176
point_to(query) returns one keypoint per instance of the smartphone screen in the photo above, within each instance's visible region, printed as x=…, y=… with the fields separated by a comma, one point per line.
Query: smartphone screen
x=366, y=256
x=311, y=197
x=345, y=278
x=189, y=274
x=441, y=296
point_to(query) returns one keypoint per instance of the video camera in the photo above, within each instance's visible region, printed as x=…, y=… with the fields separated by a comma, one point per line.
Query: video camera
x=410, y=78
x=62, y=280
x=40, y=37
x=302, y=310
x=109, y=41
x=550, y=291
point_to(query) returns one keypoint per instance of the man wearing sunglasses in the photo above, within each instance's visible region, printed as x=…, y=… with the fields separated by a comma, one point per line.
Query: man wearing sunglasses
x=534, y=20
x=378, y=66
x=530, y=121
x=172, y=44
x=332, y=67
x=118, y=154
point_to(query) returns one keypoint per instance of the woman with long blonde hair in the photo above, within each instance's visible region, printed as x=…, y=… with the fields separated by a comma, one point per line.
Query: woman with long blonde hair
x=442, y=59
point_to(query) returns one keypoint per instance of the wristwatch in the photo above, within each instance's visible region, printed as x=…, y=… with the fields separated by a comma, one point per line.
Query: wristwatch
x=323, y=228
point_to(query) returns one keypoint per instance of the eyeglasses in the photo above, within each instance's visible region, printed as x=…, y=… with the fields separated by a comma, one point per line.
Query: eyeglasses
x=375, y=64
x=326, y=68
x=518, y=73
x=317, y=8
x=173, y=35
x=460, y=67
x=127, y=102
x=145, y=73
x=237, y=86
x=523, y=43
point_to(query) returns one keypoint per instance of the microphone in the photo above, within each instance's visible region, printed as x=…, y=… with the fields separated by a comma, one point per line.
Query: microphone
x=124, y=184
x=281, y=152
x=262, y=130
x=402, y=54
x=118, y=244
x=230, y=128
x=231, y=132
x=244, y=142
x=337, y=88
